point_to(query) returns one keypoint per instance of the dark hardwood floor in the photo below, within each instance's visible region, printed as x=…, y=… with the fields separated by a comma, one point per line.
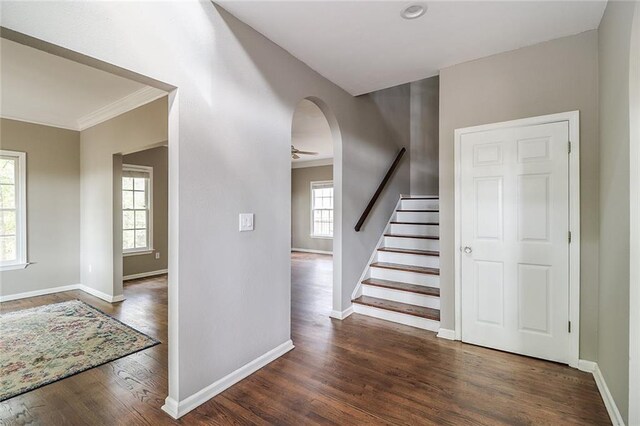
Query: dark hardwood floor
x=357, y=371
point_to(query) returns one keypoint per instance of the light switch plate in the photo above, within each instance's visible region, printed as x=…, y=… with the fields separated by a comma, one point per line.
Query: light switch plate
x=246, y=222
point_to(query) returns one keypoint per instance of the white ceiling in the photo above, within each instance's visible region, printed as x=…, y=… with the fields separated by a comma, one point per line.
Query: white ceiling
x=363, y=46
x=310, y=131
x=42, y=88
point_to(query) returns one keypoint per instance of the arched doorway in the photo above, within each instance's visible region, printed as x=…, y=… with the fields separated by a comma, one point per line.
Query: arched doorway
x=316, y=178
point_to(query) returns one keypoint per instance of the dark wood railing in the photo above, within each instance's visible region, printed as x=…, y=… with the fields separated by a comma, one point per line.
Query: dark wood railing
x=367, y=210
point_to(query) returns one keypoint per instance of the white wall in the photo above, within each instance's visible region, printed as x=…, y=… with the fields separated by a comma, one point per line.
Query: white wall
x=237, y=92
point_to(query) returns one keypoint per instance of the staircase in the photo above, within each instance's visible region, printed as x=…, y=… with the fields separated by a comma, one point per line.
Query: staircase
x=402, y=282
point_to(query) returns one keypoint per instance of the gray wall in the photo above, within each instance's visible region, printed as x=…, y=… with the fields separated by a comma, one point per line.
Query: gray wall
x=157, y=158
x=552, y=77
x=425, y=136
x=53, y=200
x=301, y=179
x=233, y=156
x=613, y=331
x=101, y=148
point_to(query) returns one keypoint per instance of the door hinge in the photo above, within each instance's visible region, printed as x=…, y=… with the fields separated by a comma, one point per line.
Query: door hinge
x=569, y=147
x=569, y=326
x=569, y=237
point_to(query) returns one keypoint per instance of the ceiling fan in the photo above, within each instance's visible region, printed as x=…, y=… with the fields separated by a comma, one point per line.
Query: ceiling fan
x=295, y=151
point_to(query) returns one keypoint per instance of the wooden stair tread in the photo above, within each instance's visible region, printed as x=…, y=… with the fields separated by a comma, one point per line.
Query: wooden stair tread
x=415, y=223
x=396, y=285
x=431, y=197
x=403, y=308
x=419, y=211
x=407, y=268
x=410, y=251
x=423, y=237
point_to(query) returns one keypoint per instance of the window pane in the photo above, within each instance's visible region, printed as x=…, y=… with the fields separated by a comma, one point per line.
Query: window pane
x=128, y=220
x=127, y=183
x=128, y=238
x=127, y=199
x=139, y=200
x=141, y=219
x=7, y=170
x=7, y=197
x=8, y=222
x=141, y=239
x=8, y=249
x=317, y=214
x=139, y=184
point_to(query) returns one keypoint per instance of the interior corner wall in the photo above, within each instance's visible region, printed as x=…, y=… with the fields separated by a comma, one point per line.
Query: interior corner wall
x=100, y=247
x=552, y=77
x=158, y=158
x=237, y=92
x=53, y=197
x=425, y=110
x=613, y=325
x=301, y=179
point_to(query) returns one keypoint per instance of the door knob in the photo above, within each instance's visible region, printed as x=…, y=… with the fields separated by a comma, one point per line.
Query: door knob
x=467, y=249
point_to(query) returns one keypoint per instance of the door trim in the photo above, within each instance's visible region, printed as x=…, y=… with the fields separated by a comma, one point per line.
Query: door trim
x=573, y=119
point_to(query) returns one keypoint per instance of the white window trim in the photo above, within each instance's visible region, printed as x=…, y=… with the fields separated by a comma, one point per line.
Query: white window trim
x=21, y=216
x=319, y=182
x=149, y=249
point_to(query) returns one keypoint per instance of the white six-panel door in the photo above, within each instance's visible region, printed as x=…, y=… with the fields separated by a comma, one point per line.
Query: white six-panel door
x=514, y=229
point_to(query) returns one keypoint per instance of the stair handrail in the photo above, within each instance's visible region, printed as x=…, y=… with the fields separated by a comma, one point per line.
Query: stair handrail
x=373, y=200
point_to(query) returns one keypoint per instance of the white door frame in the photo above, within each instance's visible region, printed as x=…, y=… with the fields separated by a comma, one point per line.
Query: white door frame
x=573, y=118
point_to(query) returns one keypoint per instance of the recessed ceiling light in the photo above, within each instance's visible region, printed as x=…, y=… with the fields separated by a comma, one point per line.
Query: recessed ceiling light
x=413, y=11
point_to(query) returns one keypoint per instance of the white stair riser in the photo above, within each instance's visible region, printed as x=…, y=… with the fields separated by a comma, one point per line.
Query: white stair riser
x=405, y=319
x=412, y=243
x=432, y=217
x=419, y=204
x=405, y=277
x=401, y=296
x=409, y=259
x=402, y=229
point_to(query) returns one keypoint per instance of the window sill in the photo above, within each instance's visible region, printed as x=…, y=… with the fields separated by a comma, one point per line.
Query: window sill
x=137, y=253
x=322, y=237
x=13, y=267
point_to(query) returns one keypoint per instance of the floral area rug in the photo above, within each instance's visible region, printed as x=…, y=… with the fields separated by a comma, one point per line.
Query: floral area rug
x=41, y=345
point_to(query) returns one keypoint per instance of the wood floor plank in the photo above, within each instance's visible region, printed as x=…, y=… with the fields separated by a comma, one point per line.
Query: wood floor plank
x=358, y=371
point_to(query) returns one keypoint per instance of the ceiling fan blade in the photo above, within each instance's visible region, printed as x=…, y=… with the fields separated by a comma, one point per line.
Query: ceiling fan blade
x=306, y=152
x=294, y=156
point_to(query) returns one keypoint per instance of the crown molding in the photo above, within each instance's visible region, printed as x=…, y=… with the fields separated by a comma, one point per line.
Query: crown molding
x=134, y=100
x=41, y=123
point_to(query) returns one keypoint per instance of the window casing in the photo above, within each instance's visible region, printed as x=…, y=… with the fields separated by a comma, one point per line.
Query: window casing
x=13, y=210
x=322, y=209
x=137, y=209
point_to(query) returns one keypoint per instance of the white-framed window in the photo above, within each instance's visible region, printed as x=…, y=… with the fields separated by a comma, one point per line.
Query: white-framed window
x=322, y=209
x=13, y=210
x=137, y=209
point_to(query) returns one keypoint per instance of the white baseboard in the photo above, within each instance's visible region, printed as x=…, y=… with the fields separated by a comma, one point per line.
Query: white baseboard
x=609, y=402
x=101, y=295
x=301, y=250
x=145, y=274
x=444, y=333
x=342, y=315
x=35, y=293
x=60, y=289
x=178, y=409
